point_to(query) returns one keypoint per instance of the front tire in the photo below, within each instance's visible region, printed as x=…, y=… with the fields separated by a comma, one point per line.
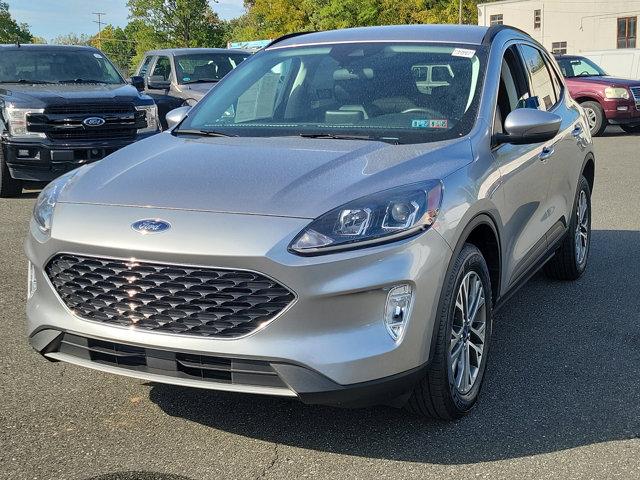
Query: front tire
x=454, y=377
x=595, y=117
x=570, y=260
x=9, y=187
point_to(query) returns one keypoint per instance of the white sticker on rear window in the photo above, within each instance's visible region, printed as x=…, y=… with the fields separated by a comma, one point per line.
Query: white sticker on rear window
x=463, y=52
x=97, y=55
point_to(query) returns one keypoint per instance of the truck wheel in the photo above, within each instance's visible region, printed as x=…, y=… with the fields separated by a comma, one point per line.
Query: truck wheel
x=595, y=116
x=631, y=128
x=453, y=380
x=9, y=187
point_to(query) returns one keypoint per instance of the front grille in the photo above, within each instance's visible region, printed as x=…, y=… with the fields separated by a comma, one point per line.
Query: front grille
x=635, y=91
x=65, y=122
x=207, y=368
x=209, y=302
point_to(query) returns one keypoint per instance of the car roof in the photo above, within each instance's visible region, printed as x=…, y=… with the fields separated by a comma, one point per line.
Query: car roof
x=37, y=46
x=469, y=34
x=183, y=51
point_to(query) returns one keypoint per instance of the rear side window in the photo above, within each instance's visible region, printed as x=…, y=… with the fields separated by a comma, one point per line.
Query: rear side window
x=542, y=84
x=162, y=68
x=144, y=68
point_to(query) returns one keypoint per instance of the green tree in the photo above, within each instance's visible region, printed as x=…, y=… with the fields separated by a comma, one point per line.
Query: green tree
x=72, y=39
x=120, y=49
x=10, y=30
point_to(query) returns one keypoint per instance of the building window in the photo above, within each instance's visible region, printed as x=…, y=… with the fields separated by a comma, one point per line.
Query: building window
x=495, y=19
x=537, y=19
x=559, y=48
x=627, y=32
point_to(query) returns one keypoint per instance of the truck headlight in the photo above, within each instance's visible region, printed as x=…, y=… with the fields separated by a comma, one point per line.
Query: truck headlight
x=382, y=217
x=46, y=202
x=151, y=115
x=616, y=92
x=16, y=119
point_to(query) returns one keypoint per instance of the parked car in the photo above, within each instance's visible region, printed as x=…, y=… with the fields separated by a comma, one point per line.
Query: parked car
x=607, y=100
x=619, y=62
x=182, y=76
x=61, y=107
x=317, y=227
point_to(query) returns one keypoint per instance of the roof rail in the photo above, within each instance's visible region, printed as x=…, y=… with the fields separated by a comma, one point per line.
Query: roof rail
x=494, y=30
x=284, y=37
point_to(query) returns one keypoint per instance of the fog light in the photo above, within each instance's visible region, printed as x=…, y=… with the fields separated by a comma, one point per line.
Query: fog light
x=32, y=283
x=396, y=312
x=623, y=108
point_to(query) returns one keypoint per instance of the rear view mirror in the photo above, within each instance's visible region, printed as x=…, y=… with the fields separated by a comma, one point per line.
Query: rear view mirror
x=175, y=116
x=526, y=125
x=137, y=82
x=158, y=82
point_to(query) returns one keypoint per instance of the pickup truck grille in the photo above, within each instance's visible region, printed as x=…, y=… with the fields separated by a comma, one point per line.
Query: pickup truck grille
x=65, y=122
x=205, y=302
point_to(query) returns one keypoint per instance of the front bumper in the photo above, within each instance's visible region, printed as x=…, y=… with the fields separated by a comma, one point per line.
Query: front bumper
x=329, y=346
x=42, y=160
x=622, y=112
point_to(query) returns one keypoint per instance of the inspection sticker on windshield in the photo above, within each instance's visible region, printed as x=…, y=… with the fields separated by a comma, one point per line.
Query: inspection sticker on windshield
x=97, y=55
x=429, y=123
x=463, y=52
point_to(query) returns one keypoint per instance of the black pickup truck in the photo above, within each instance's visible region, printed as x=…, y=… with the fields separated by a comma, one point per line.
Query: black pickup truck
x=61, y=107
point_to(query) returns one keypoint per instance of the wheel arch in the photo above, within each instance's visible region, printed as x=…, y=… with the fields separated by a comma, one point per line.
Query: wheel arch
x=589, y=170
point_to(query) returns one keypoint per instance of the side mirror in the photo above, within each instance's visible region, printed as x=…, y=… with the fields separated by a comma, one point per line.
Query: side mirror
x=175, y=116
x=157, y=82
x=526, y=125
x=137, y=82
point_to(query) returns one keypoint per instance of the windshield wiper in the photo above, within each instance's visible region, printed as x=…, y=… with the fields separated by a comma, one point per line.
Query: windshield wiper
x=204, y=133
x=83, y=80
x=202, y=80
x=33, y=82
x=342, y=136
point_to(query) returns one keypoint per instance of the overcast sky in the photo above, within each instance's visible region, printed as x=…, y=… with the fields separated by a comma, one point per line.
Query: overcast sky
x=50, y=18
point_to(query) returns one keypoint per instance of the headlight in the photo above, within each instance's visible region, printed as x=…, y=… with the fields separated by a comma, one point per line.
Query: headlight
x=151, y=114
x=378, y=218
x=17, y=121
x=46, y=202
x=615, y=92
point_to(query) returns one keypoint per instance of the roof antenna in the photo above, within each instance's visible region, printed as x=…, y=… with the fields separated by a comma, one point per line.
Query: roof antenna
x=18, y=42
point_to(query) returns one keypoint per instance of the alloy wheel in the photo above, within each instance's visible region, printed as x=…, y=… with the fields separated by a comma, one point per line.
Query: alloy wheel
x=468, y=333
x=582, y=228
x=592, y=118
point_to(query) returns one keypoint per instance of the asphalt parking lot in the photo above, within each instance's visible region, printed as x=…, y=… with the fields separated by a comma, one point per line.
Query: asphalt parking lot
x=561, y=400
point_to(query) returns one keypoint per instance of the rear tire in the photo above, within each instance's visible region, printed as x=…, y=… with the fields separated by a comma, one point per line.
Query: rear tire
x=630, y=128
x=595, y=117
x=9, y=187
x=445, y=392
x=570, y=260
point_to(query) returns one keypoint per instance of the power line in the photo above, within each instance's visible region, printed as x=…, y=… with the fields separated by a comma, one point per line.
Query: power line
x=99, y=22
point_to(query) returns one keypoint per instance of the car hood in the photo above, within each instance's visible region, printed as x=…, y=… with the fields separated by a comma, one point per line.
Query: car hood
x=40, y=96
x=280, y=176
x=605, y=81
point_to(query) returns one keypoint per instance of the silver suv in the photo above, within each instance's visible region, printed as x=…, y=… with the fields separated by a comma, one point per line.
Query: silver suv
x=321, y=225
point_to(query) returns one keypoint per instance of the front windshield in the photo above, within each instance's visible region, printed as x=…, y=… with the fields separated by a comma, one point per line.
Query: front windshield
x=26, y=65
x=395, y=92
x=579, y=67
x=206, y=67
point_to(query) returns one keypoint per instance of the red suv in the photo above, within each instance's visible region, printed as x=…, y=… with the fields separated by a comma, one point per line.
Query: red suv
x=606, y=100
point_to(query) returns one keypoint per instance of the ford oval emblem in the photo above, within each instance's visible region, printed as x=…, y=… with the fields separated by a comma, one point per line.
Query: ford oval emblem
x=94, y=121
x=150, y=225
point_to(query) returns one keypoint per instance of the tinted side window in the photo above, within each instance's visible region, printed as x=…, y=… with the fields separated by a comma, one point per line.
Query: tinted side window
x=541, y=83
x=145, y=66
x=162, y=68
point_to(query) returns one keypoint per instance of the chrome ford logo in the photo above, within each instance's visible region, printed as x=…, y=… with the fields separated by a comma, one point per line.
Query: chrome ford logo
x=150, y=225
x=94, y=121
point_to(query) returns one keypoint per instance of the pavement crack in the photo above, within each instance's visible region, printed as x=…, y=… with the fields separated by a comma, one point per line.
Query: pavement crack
x=271, y=464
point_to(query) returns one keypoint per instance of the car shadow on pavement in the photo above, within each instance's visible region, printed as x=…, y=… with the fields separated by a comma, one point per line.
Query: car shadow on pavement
x=563, y=373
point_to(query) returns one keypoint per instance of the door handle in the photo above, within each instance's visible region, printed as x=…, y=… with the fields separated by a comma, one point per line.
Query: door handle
x=577, y=131
x=547, y=152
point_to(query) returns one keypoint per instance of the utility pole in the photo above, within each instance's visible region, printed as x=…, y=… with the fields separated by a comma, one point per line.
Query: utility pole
x=99, y=22
x=460, y=13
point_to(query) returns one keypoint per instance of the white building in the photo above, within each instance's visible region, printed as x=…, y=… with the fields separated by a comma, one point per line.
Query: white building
x=569, y=26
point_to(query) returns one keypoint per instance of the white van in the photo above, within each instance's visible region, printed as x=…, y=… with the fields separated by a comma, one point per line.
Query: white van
x=623, y=62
